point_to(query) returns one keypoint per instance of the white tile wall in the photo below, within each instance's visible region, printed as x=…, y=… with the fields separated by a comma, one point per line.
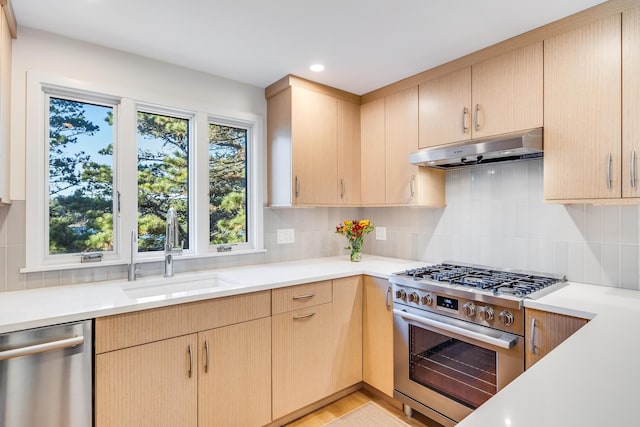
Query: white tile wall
x=495, y=216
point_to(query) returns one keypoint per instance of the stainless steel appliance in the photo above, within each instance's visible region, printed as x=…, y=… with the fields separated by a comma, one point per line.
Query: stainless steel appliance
x=46, y=377
x=459, y=335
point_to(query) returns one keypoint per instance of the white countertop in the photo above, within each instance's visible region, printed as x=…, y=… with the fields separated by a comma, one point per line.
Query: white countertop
x=589, y=380
x=49, y=306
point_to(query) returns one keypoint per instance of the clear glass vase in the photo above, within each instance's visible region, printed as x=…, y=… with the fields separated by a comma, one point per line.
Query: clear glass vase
x=356, y=251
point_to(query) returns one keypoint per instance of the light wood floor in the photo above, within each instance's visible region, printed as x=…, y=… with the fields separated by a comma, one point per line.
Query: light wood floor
x=351, y=402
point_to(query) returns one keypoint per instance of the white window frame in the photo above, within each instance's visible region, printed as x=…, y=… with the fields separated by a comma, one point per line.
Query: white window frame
x=125, y=171
x=251, y=149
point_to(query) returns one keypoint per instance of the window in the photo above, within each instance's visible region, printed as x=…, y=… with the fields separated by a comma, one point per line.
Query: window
x=227, y=184
x=103, y=169
x=163, y=177
x=80, y=176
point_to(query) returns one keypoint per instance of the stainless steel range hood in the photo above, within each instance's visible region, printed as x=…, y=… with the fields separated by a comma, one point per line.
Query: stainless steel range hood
x=508, y=147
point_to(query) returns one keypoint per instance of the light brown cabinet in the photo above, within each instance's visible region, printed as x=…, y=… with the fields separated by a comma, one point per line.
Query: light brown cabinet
x=630, y=102
x=497, y=96
x=404, y=184
x=5, y=104
x=346, y=333
x=377, y=339
x=167, y=366
x=309, y=127
x=582, y=113
x=153, y=384
x=545, y=331
x=301, y=339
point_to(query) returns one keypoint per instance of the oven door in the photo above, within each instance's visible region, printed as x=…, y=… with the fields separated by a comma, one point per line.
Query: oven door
x=450, y=366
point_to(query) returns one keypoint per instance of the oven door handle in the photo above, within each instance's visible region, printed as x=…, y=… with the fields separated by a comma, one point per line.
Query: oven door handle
x=506, y=340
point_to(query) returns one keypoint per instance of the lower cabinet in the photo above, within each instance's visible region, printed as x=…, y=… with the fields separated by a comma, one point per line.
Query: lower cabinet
x=234, y=378
x=377, y=337
x=153, y=384
x=545, y=331
x=216, y=373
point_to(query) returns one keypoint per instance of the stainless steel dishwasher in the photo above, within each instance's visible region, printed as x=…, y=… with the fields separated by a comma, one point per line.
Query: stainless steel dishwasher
x=46, y=376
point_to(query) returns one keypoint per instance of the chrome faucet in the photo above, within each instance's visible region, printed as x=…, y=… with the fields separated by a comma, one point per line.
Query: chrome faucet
x=132, y=271
x=171, y=246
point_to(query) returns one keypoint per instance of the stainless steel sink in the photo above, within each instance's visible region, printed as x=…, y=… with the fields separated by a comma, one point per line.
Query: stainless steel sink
x=178, y=286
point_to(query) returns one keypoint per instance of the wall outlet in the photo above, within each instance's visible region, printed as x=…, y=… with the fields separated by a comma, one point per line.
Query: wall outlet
x=286, y=235
x=381, y=233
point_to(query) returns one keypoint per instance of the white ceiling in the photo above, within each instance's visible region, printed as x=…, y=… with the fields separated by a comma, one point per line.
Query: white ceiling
x=364, y=44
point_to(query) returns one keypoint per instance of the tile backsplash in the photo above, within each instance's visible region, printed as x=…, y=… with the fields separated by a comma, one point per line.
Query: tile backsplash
x=494, y=216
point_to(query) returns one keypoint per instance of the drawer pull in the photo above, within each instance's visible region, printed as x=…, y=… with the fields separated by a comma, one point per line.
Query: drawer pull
x=206, y=358
x=190, y=360
x=307, y=296
x=304, y=316
x=532, y=339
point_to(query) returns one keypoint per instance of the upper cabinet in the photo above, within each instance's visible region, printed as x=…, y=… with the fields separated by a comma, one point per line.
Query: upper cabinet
x=630, y=102
x=313, y=144
x=6, y=21
x=582, y=111
x=389, y=136
x=496, y=96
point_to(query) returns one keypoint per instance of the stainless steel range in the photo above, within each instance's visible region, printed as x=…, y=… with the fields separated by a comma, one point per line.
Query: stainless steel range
x=459, y=334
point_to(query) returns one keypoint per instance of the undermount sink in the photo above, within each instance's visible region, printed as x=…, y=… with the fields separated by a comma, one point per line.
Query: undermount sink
x=178, y=286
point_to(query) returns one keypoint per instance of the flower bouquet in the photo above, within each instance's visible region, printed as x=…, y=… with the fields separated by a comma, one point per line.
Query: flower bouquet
x=355, y=231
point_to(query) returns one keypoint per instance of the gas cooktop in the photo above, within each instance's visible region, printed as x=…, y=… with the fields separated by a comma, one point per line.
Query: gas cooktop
x=482, y=279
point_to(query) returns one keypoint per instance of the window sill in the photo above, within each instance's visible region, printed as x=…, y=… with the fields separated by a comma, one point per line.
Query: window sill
x=144, y=260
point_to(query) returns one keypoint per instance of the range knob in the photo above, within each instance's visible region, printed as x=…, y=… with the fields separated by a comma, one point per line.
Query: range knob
x=414, y=297
x=400, y=293
x=486, y=313
x=427, y=299
x=506, y=317
x=470, y=309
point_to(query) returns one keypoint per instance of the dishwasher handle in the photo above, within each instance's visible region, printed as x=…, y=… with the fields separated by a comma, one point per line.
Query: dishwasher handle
x=41, y=348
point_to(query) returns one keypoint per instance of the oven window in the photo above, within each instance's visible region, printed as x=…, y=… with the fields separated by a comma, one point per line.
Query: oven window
x=461, y=371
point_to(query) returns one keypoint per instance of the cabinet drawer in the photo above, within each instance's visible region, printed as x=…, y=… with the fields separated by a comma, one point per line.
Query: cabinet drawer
x=126, y=330
x=301, y=296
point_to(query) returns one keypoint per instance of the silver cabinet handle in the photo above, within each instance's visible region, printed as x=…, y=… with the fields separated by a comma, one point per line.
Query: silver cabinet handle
x=609, y=160
x=532, y=344
x=306, y=296
x=477, y=118
x=412, y=186
x=633, y=169
x=206, y=356
x=41, y=348
x=465, y=118
x=304, y=316
x=190, y=360
x=297, y=186
x=388, y=299
x=341, y=188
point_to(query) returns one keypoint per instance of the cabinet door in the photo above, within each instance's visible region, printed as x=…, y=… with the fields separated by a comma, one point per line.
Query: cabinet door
x=372, y=152
x=234, y=378
x=346, y=332
x=5, y=95
x=401, y=139
x=549, y=330
x=348, y=153
x=445, y=109
x=582, y=102
x=148, y=385
x=377, y=360
x=507, y=92
x=314, y=118
x=301, y=360
x=630, y=102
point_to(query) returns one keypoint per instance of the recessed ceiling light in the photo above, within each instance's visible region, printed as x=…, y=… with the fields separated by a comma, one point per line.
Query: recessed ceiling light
x=317, y=68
